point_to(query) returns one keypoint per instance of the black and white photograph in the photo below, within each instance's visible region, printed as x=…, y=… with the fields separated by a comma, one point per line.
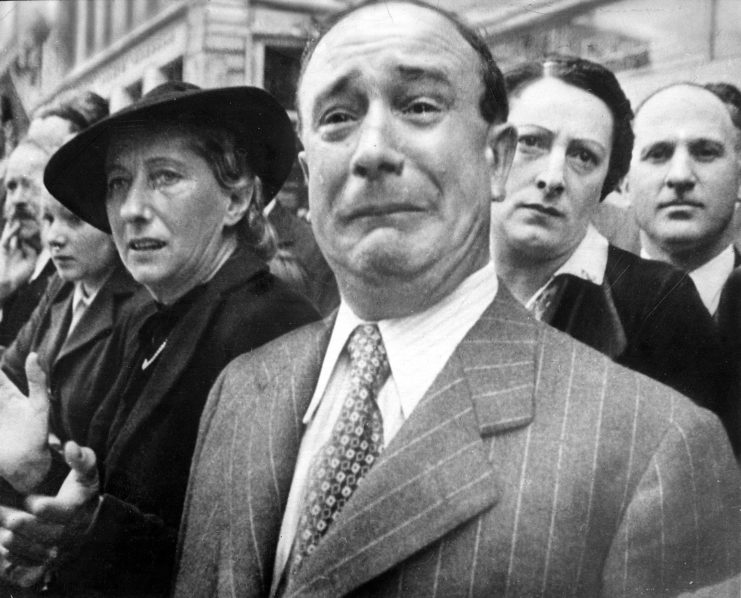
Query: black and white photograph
x=370, y=298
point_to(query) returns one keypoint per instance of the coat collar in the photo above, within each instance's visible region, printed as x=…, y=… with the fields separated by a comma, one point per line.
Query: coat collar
x=437, y=471
x=100, y=317
x=180, y=349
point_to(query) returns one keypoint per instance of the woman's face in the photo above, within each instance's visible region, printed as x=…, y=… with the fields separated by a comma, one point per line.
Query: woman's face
x=169, y=216
x=563, y=151
x=80, y=252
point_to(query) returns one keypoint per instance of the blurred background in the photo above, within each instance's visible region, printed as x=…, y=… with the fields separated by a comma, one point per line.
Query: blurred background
x=123, y=48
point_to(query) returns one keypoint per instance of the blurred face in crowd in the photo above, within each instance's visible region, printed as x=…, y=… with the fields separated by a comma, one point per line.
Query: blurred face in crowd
x=397, y=153
x=167, y=211
x=564, y=141
x=24, y=184
x=80, y=252
x=684, y=175
x=52, y=131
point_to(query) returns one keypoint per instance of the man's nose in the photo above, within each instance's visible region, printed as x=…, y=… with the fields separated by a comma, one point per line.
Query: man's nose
x=681, y=175
x=376, y=152
x=550, y=179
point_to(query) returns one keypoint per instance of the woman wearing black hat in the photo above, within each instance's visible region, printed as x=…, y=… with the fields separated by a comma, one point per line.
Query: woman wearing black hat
x=184, y=172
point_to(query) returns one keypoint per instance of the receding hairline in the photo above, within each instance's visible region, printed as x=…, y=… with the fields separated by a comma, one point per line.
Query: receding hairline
x=676, y=86
x=310, y=50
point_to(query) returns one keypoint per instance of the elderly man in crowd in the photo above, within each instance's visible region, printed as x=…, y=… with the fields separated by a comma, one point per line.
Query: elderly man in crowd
x=684, y=183
x=25, y=265
x=432, y=438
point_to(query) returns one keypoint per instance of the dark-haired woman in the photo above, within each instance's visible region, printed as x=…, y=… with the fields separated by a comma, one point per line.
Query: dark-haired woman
x=574, y=147
x=181, y=172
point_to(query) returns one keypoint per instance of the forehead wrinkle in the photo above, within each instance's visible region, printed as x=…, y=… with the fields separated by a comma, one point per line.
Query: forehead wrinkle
x=708, y=113
x=366, y=34
x=419, y=73
x=338, y=86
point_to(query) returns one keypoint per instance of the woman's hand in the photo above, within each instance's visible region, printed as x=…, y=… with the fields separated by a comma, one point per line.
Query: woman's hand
x=30, y=540
x=24, y=429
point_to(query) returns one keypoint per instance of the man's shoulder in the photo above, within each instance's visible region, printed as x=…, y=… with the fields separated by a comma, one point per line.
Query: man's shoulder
x=627, y=401
x=628, y=269
x=281, y=355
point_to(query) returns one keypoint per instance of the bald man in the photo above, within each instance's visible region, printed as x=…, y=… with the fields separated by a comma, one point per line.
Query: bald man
x=684, y=184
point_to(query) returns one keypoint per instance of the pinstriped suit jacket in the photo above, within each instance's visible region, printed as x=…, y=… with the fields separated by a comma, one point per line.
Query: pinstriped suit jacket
x=534, y=466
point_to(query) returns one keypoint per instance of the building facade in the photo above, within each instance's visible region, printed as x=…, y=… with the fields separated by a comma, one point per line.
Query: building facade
x=123, y=48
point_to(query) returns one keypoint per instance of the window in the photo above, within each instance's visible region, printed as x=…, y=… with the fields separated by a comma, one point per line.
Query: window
x=282, y=67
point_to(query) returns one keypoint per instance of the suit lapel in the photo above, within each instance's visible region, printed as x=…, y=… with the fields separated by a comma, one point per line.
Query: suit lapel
x=436, y=473
x=274, y=429
x=96, y=320
x=100, y=316
x=58, y=318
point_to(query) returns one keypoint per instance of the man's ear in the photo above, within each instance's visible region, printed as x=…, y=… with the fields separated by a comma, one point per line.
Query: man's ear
x=501, y=143
x=239, y=202
x=304, y=165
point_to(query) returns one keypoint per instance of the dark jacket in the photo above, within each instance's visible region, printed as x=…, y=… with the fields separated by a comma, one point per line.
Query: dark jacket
x=19, y=305
x=145, y=457
x=648, y=316
x=72, y=363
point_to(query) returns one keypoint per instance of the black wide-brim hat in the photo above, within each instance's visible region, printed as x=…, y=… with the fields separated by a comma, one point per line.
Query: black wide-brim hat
x=76, y=176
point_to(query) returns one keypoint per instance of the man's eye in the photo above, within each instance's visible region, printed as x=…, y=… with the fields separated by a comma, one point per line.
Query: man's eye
x=422, y=107
x=706, y=153
x=47, y=218
x=336, y=117
x=11, y=185
x=658, y=153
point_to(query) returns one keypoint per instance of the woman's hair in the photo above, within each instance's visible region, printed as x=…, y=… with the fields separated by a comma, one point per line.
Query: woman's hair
x=81, y=109
x=285, y=265
x=601, y=83
x=230, y=164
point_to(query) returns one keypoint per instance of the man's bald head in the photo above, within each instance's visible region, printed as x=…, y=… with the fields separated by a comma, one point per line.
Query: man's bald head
x=493, y=104
x=685, y=174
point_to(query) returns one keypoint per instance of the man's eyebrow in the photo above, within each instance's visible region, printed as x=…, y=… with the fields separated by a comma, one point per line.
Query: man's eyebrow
x=415, y=73
x=647, y=147
x=339, y=86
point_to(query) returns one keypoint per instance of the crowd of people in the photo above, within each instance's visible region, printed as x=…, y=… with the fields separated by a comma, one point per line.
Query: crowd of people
x=467, y=372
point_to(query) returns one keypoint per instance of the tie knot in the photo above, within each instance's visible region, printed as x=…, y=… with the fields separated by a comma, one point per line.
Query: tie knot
x=368, y=359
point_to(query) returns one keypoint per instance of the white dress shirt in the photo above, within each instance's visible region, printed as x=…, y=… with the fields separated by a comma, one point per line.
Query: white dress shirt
x=588, y=262
x=82, y=298
x=418, y=348
x=710, y=278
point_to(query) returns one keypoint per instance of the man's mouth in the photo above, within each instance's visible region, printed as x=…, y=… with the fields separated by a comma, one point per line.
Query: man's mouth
x=540, y=208
x=680, y=203
x=379, y=211
x=146, y=244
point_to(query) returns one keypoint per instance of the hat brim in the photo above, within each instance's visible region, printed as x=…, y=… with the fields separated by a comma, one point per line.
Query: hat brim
x=75, y=174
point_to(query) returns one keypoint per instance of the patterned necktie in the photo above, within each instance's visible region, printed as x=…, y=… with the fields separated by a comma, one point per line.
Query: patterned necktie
x=356, y=442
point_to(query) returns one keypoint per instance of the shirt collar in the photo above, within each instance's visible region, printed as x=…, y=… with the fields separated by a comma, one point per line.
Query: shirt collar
x=418, y=346
x=588, y=262
x=80, y=295
x=711, y=276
